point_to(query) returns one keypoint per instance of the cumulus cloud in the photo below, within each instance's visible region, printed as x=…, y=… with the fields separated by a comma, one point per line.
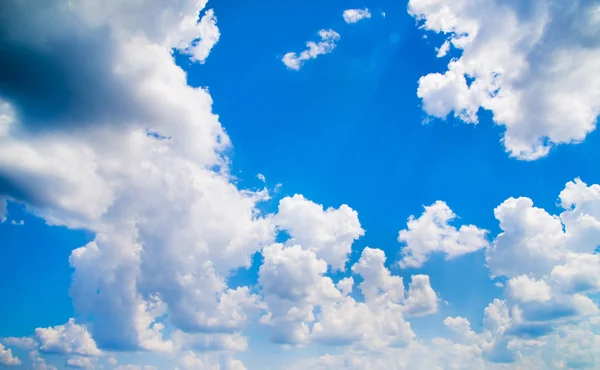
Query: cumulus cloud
x=122, y=127
x=532, y=65
x=548, y=317
x=355, y=15
x=524, y=289
x=535, y=242
x=293, y=284
x=313, y=49
x=66, y=339
x=7, y=358
x=432, y=233
x=327, y=232
x=304, y=305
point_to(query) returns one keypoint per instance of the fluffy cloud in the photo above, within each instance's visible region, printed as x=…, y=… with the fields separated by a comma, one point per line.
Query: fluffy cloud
x=209, y=36
x=547, y=319
x=535, y=242
x=432, y=233
x=124, y=128
x=126, y=149
x=295, y=286
x=325, y=46
x=66, y=339
x=7, y=358
x=329, y=233
x=355, y=15
x=523, y=288
x=293, y=283
x=532, y=65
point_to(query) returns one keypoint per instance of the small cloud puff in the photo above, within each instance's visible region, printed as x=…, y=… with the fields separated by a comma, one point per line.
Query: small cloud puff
x=355, y=15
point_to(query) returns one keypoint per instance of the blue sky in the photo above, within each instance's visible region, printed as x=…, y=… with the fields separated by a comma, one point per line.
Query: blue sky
x=358, y=125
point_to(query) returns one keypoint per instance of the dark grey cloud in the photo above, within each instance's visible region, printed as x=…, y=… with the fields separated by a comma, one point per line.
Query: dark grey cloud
x=57, y=72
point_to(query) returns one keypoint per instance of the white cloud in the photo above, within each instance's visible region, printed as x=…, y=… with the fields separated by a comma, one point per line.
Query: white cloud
x=7, y=358
x=209, y=35
x=325, y=46
x=67, y=339
x=443, y=50
x=535, y=242
x=293, y=283
x=345, y=285
x=329, y=233
x=580, y=273
x=26, y=343
x=432, y=233
x=532, y=65
x=305, y=306
x=421, y=299
x=79, y=362
x=355, y=15
x=152, y=263
x=378, y=322
x=547, y=320
x=525, y=289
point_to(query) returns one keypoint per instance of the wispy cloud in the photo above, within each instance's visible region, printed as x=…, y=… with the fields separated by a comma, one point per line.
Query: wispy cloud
x=325, y=46
x=355, y=15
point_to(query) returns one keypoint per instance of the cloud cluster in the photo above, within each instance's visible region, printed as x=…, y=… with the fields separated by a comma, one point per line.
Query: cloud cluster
x=100, y=130
x=122, y=146
x=294, y=285
x=548, y=318
x=532, y=64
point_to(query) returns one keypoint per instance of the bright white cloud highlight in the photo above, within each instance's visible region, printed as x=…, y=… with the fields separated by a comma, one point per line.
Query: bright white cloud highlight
x=432, y=233
x=327, y=232
x=533, y=65
x=355, y=15
x=313, y=49
x=524, y=289
x=66, y=339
